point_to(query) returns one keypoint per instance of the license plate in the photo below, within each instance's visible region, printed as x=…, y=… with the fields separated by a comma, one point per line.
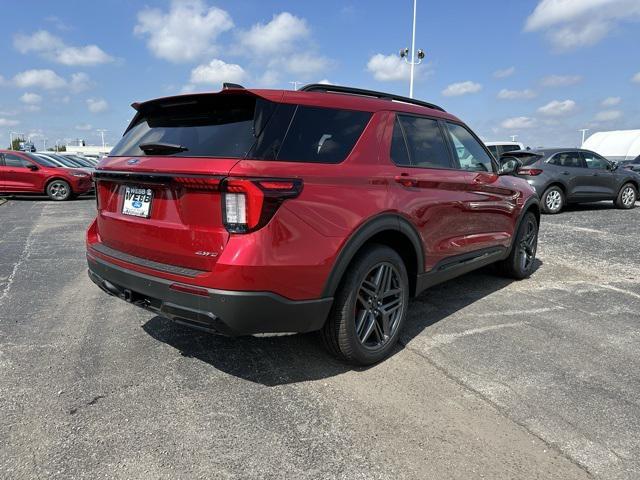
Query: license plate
x=137, y=201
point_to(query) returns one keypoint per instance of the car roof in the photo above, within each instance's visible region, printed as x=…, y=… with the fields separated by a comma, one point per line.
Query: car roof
x=330, y=99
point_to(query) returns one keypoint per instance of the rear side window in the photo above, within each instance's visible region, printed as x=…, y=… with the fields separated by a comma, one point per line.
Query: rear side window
x=322, y=135
x=494, y=150
x=471, y=155
x=567, y=159
x=418, y=142
x=243, y=126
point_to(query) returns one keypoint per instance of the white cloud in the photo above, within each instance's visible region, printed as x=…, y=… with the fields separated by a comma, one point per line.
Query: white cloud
x=518, y=123
x=507, y=72
x=187, y=32
x=388, y=68
x=461, y=88
x=636, y=78
x=31, y=98
x=80, y=82
x=611, y=101
x=608, y=115
x=216, y=71
x=44, y=78
x=83, y=127
x=32, y=108
x=97, y=105
x=54, y=49
x=557, y=108
x=571, y=24
x=277, y=36
x=506, y=94
x=5, y=122
x=305, y=64
x=560, y=80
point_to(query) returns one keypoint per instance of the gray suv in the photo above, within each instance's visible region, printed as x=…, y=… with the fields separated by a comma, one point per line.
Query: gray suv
x=571, y=175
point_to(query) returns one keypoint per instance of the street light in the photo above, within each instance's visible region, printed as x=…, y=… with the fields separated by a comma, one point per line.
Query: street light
x=404, y=53
x=295, y=84
x=513, y=138
x=101, y=132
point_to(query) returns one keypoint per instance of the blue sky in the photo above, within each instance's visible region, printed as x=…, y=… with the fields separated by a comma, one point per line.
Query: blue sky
x=539, y=69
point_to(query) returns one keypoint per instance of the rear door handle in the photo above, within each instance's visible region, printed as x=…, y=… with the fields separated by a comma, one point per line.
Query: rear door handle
x=406, y=181
x=566, y=173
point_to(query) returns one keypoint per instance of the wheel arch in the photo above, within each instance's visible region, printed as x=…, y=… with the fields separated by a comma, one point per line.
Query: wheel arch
x=386, y=229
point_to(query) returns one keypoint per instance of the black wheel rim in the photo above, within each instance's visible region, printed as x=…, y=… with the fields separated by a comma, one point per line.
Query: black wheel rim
x=379, y=306
x=528, y=245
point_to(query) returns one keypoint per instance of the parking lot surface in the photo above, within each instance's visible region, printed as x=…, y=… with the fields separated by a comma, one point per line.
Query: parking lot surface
x=494, y=379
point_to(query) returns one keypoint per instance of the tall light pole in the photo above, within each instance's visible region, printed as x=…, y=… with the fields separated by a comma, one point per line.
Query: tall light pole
x=513, y=138
x=295, y=84
x=101, y=132
x=584, y=131
x=404, y=53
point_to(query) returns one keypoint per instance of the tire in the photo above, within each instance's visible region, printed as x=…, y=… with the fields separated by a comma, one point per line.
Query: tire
x=627, y=197
x=358, y=330
x=553, y=200
x=59, y=190
x=519, y=263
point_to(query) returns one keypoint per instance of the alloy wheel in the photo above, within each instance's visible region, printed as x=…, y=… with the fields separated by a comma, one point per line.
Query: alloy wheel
x=528, y=245
x=380, y=304
x=628, y=196
x=553, y=200
x=59, y=190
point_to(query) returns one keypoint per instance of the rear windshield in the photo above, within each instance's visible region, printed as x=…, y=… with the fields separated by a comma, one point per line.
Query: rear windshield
x=243, y=126
x=528, y=160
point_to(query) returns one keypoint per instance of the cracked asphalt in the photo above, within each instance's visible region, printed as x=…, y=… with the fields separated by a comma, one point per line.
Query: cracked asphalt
x=494, y=379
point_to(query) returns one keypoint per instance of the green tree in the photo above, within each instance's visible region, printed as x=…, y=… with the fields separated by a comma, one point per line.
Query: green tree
x=15, y=143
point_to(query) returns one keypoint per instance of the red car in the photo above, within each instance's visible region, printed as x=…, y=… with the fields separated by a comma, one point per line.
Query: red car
x=249, y=211
x=25, y=173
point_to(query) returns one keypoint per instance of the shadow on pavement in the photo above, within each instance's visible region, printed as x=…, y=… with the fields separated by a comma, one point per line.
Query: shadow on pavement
x=278, y=360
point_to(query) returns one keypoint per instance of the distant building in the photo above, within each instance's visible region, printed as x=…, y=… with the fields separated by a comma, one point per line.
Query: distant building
x=88, y=150
x=617, y=145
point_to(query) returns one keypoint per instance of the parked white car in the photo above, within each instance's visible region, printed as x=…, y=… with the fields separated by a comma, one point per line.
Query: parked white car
x=500, y=148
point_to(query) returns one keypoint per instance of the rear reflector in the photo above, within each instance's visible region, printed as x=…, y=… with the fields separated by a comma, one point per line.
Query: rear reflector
x=189, y=289
x=531, y=172
x=198, y=183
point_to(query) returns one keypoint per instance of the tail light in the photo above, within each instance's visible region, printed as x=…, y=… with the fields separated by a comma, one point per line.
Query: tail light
x=249, y=204
x=530, y=172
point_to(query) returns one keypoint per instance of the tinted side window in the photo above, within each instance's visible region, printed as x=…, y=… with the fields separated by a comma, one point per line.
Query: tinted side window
x=567, y=159
x=469, y=151
x=494, y=150
x=399, y=152
x=510, y=148
x=14, y=161
x=594, y=161
x=426, y=144
x=322, y=135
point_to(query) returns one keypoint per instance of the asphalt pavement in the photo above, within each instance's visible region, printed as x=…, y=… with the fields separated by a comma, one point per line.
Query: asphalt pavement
x=494, y=379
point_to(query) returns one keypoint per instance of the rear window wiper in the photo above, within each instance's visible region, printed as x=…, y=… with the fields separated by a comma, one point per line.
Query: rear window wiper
x=160, y=148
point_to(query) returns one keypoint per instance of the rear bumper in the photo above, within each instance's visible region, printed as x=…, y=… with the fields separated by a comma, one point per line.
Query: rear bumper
x=223, y=312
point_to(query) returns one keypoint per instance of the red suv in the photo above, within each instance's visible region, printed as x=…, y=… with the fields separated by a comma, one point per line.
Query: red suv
x=25, y=173
x=258, y=211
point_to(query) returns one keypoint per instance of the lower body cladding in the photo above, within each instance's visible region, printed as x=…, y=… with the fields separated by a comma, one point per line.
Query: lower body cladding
x=223, y=312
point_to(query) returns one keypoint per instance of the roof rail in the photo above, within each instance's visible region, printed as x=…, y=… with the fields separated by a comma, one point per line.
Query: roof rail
x=320, y=87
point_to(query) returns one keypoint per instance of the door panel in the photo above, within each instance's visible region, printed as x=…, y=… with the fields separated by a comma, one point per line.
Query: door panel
x=455, y=211
x=569, y=168
x=603, y=182
x=18, y=177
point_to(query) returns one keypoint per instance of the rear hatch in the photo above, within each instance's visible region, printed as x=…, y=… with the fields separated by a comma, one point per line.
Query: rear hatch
x=158, y=191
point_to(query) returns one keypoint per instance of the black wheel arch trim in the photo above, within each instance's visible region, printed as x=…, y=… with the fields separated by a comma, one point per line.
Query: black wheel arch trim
x=531, y=204
x=364, y=233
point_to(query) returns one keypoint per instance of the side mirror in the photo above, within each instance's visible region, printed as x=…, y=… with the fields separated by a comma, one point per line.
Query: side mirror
x=509, y=165
x=33, y=168
x=613, y=166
